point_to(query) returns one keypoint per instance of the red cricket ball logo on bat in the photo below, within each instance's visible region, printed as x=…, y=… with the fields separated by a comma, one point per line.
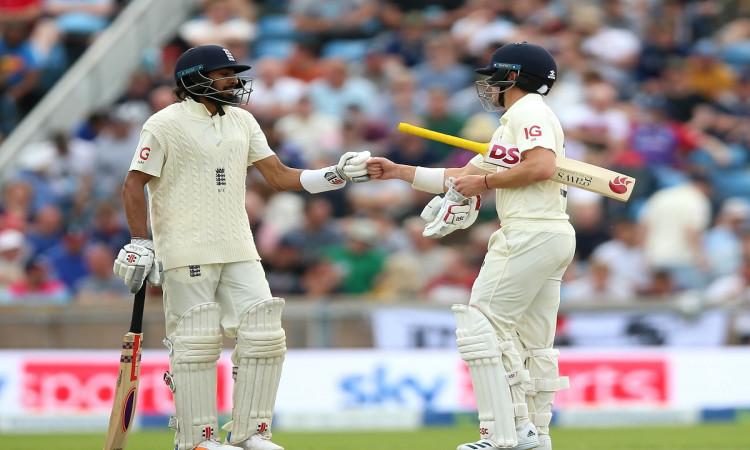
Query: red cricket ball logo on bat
x=620, y=185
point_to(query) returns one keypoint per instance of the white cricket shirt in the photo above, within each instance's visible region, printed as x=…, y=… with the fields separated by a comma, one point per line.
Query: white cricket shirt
x=197, y=196
x=529, y=123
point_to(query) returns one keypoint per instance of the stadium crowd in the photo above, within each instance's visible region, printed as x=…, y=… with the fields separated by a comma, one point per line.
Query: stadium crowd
x=658, y=90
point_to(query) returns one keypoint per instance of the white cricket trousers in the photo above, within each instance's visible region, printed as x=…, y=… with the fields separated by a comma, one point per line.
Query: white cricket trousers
x=518, y=290
x=236, y=287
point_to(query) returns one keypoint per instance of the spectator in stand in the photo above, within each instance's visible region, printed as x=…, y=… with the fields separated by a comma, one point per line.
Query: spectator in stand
x=320, y=279
x=16, y=207
x=108, y=226
x=19, y=74
x=79, y=22
x=275, y=94
x=303, y=63
x=681, y=98
x=316, y=135
x=733, y=290
x=442, y=67
x=358, y=259
x=115, y=146
x=36, y=287
x=598, y=284
x=599, y=124
x=325, y=20
x=623, y=255
x=317, y=231
x=660, y=47
x=12, y=256
x=615, y=51
x=706, y=73
x=454, y=281
x=404, y=42
x=674, y=221
x=284, y=268
x=722, y=243
x=160, y=97
x=338, y=90
x=46, y=231
x=588, y=219
x=407, y=272
x=219, y=21
x=100, y=285
x=401, y=100
x=440, y=117
x=661, y=285
x=66, y=261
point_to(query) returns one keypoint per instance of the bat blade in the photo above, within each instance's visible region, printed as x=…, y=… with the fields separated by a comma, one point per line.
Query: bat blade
x=128, y=378
x=569, y=171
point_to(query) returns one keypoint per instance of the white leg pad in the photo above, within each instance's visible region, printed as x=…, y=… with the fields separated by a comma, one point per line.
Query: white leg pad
x=480, y=348
x=194, y=349
x=540, y=390
x=258, y=358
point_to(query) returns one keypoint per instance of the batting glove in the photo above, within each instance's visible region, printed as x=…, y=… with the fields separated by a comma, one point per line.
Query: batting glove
x=352, y=166
x=136, y=262
x=454, y=212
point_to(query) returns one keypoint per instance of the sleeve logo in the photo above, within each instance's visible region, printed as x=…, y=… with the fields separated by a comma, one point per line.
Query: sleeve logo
x=533, y=131
x=145, y=152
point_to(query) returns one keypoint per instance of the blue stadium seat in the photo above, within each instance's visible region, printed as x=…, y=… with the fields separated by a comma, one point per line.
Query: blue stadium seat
x=349, y=49
x=732, y=183
x=275, y=26
x=279, y=48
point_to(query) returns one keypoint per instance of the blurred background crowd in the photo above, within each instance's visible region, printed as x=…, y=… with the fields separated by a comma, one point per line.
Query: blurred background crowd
x=658, y=90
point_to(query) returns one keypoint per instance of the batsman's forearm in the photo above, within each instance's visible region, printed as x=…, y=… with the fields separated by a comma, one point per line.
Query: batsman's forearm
x=136, y=211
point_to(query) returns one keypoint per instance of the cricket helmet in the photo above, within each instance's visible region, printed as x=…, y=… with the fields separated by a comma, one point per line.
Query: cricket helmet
x=192, y=69
x=536, y=68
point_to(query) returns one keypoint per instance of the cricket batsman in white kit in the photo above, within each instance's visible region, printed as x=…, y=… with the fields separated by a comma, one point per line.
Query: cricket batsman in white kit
x=505, y=334
x=193, y=157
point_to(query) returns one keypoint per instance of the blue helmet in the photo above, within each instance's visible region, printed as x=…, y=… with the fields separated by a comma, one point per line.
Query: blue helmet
x=192, y=68
x=536, y=68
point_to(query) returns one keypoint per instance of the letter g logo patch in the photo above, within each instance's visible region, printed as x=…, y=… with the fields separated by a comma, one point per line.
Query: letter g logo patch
x=145, y=152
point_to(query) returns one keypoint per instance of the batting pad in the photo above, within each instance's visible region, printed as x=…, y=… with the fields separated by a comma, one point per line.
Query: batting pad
x=258, y=357
x=544, y=382
x=194, y=349
x=480, y=348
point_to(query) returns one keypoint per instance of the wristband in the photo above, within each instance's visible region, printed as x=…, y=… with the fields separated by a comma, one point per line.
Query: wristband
x=321, y=180
x=485, y=182
x=429, y=180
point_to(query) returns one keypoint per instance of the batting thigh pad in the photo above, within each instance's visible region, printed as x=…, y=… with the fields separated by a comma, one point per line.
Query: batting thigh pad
x=480, y=348
x=257, y=357
x=540, y=390
x=194, y=349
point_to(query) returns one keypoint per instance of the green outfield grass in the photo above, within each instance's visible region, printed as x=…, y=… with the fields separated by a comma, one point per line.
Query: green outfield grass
x=702, y=437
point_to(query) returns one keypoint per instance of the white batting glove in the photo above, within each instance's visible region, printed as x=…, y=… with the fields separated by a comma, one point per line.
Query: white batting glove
x=352, y=166
x=455, y=212
x=136, y=262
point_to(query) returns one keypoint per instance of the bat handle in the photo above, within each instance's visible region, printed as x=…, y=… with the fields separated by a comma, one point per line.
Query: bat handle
x=139, y=301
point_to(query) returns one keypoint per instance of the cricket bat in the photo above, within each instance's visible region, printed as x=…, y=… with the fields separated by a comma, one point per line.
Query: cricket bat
x=126, y=392
x=569, y=171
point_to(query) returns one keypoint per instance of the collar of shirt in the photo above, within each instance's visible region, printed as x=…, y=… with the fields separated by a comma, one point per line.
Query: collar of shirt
x=210, y=124
x=528, y=98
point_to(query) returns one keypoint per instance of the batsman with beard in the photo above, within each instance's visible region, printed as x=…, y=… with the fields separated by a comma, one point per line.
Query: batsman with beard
x=193, y=158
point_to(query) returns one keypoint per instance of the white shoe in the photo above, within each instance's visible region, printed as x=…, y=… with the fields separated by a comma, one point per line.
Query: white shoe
x=257, y=442
x=545, y=442
x=527, y=439
x=214, y=445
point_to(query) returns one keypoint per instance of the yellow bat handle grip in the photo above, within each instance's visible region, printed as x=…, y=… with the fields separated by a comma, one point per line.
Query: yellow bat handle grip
x=477, y=147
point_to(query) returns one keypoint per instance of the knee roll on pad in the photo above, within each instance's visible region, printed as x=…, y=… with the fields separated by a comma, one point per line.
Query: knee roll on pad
x=482, y=351
x=194, y=348
x=258, y=358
